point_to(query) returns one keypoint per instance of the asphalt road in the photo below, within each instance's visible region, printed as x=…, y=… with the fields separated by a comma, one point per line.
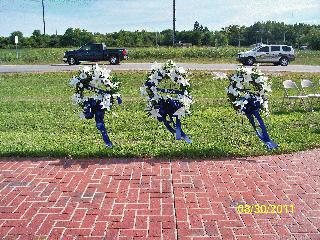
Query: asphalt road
x=147, y=66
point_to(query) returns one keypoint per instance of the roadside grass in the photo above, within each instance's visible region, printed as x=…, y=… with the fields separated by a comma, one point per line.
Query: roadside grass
x=37, y=119
x=194, y=54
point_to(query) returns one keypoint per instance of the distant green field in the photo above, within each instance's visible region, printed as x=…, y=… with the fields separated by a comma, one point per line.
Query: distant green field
x=37, y=118
x=194, y=54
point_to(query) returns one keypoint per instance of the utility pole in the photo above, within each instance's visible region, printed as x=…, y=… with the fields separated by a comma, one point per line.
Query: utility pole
x=174, y=23
x=157, y=39
x=239, y=39
x=44, y=23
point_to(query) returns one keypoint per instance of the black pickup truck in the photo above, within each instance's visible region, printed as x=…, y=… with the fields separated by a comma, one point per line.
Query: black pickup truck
x=94, y=52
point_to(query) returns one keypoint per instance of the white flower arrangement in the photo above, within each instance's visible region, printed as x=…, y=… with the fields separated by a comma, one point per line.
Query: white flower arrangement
x=248, y=90
x=98, y=80
x=154, y=95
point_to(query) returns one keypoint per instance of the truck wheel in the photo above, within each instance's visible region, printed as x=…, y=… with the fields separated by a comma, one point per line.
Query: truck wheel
x=114, y=60
x=249, y=61
x=72, y=60
x=284, y=61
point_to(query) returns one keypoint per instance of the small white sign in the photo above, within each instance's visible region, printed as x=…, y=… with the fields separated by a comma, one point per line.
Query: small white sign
x=16, y=39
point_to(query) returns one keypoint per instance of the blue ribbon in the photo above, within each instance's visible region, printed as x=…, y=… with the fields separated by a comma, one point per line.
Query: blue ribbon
x=263, y=134
x=99, y=117
x=92, y=108
x=252, y=112
x=166, y=109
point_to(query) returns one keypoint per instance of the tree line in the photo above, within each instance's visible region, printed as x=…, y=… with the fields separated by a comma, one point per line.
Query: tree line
x=235, y=35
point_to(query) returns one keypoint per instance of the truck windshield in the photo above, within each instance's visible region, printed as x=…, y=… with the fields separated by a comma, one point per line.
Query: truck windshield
x=85, y=47
x=255, y=48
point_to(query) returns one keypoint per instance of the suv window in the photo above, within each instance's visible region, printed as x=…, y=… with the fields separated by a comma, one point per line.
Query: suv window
x=275, y=48
x=264, y=49
x=286, y=48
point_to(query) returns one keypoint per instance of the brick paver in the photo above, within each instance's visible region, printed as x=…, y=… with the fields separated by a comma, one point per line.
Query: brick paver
x=159, y=199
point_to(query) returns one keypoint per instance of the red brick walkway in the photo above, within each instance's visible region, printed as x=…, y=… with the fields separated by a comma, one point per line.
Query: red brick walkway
x=159, y=199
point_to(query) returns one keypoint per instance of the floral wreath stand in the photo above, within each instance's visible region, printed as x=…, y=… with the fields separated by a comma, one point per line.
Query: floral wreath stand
x=252, y=112
x=249, y=101
x=105, y=87
x=167, y=104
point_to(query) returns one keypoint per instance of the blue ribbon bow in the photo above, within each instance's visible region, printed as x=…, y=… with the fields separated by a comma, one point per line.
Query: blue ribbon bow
x=166, y=109
x=252, y=111
x=92, y=108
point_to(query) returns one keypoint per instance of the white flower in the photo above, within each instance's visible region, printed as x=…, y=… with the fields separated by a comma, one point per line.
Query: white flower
x=241, y=103
x=96, y=67
x=96, y=81
x=245, y=70
x=266, y=87
x=96, y=73
x=155, y=113
x=185, y=100
x=86, y=69
x=116, y=95
x=105, y=72
x=76, y=98
x=154, y=78
x=99, y=97
x=156, y=66
x=143, y=91
x=232, y=91
x=156, y=97
x=183, y=81
x=114, y=85
x=106, y=102
x=234, y=78
x=82, y=116
x=174, y=75
x=239, y=84
x=154, y=89
x=83, y=76
x=247, y=96
x=247, y=78
x=74, y=81
x=260, y=100
x=181, y=112
x=181, y=70
x=260, y=79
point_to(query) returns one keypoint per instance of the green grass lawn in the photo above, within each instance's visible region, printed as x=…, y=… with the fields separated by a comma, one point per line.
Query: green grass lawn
x=37, y=118
x=194, y=54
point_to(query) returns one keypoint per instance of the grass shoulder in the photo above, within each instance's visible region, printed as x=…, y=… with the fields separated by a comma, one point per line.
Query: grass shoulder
x=47, y=124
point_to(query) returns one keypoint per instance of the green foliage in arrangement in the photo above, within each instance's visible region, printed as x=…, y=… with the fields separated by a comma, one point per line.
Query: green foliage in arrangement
x=37, y=118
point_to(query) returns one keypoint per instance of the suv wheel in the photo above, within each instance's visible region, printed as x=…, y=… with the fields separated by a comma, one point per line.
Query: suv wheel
x=284, y=61
x=249, y=61
x=72, y=61
x=114, y=60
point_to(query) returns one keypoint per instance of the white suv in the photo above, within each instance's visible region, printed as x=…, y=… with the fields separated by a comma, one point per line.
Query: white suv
x=276, y=54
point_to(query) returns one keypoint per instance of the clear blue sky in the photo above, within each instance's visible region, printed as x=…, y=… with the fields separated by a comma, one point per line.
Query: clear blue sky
x=155, y=15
